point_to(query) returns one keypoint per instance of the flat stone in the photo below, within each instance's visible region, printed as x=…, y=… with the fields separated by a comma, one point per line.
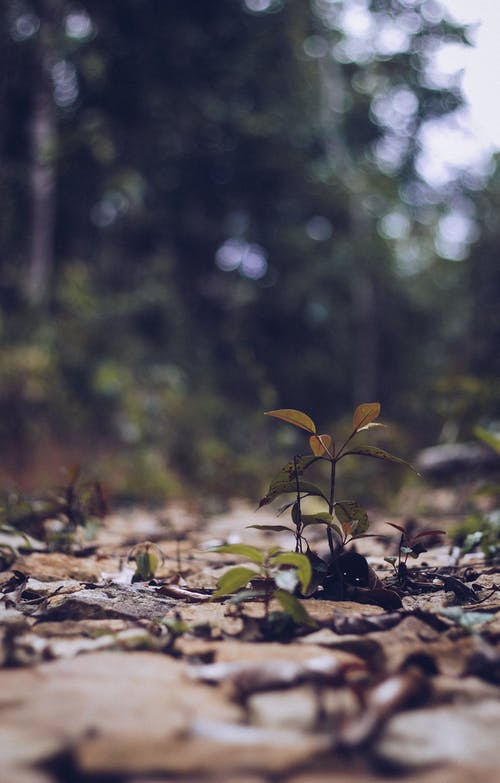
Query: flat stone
x=465, y=735
x=210, y=748
x=128, y=602
x=292, y=709
x=131, y=701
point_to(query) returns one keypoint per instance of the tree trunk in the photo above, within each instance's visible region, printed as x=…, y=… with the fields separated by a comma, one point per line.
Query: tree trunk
x=364, y=349
x=364, y=310
x=43, y=136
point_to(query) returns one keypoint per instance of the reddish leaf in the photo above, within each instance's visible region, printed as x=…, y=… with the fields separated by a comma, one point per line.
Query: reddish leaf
x=365, y=414
x=297, y=418
x=321, y=444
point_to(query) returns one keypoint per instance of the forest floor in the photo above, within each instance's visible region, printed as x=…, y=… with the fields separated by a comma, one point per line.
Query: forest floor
x=108, y=680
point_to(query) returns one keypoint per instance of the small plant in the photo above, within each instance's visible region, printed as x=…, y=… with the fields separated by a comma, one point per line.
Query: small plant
x=481, y=529
x=147, y=557
x=278, y=575
x=56, y=518
x=409, y=546
x=344, y=520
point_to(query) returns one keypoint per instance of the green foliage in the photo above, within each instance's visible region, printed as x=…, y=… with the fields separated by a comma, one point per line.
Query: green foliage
x=55, y=518
x=278, y=575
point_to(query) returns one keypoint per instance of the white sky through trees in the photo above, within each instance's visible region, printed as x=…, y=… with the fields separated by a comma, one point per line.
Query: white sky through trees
x=470, y=137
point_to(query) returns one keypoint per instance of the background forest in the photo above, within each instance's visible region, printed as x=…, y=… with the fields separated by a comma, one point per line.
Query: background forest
x=214, y=208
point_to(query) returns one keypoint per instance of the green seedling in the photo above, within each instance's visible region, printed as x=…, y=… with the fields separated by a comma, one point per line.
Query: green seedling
x=479, y=532
x=345, y=520
x=274, y=574
x=147, y=557
x=9, y=552
x=409, y=546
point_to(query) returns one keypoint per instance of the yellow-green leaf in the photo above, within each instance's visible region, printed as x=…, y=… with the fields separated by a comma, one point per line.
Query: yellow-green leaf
x=234, y=580
x=321, y=444
x=490, y=438
x=245, y=550
x=297, y=418
x=365, y=414
x=146, y=564
x=294, y=608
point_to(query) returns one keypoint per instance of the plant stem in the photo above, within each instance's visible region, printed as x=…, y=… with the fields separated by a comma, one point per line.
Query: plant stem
x=331, y=503
x=298, y=524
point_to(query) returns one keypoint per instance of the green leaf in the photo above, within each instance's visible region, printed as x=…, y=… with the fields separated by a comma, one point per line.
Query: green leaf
x=293, y=469
x=293, y=607
x=491, y=440
x=281, y=488
x=298, y=561
x=146, y=563
x=297, y=418
x=321, y=518
x=350, y=514
x=365, y=414
x=373, y=451
x=275, y=528
x=234, y=580
x=245, y=550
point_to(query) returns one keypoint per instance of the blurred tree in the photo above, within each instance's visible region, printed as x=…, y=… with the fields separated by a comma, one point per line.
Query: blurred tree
x=226, y=204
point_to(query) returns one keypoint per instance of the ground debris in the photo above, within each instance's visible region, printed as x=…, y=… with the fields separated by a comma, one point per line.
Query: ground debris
x=112, y=680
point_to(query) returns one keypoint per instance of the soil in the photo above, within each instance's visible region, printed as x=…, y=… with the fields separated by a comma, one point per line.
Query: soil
x=106, y=678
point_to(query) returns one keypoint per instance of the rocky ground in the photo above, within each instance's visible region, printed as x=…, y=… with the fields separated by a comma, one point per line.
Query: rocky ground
x=108, y=680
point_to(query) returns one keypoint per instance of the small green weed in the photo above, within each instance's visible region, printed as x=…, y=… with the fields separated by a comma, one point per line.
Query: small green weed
x=410, y=545
x=147, y=557
x=278, y=575
x=56, y=518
